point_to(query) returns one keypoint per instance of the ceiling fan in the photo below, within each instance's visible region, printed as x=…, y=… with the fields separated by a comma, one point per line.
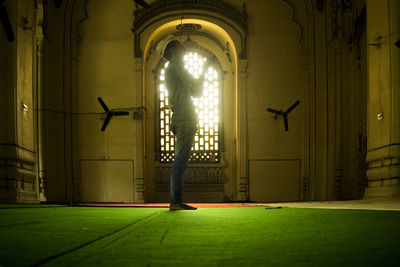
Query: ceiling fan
x=284, y=114
x=5, y=21
x=110, y=113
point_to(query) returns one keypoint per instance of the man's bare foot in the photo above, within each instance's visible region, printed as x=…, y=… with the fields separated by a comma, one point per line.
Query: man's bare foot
x=180, y=206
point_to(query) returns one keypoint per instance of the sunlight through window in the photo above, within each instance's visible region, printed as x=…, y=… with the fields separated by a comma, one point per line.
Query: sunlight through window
x=206, y=142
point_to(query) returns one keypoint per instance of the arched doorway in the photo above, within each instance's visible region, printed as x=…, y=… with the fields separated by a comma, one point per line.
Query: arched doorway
x=219, y=178
x=207, y=175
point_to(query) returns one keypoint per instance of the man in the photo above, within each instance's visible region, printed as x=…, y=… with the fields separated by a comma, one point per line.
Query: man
x=181, y=86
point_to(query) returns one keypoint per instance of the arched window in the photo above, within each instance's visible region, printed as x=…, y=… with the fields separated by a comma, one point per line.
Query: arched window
x=208, y=139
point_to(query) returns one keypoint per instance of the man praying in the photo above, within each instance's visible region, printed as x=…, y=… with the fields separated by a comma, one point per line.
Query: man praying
x=181, y=86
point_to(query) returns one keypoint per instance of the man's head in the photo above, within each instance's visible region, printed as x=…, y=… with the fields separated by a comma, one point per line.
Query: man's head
x=169, y=48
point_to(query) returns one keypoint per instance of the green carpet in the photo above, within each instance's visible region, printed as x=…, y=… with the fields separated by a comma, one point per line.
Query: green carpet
x=64, y=236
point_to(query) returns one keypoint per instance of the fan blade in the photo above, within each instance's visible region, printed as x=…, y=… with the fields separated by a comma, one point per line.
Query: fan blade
x=5, y=20
x=285, y=120
x=397, y=43
x=142, y=3
x=106, y=109
x=277, y=112
x=293, y=106
x=120, y=113
x=107, y=121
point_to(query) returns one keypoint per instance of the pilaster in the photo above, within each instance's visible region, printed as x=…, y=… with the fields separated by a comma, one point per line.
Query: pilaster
x=39, y=103
x=383, y=157
x=18, y=181
x=241, y=144
x=139, y=146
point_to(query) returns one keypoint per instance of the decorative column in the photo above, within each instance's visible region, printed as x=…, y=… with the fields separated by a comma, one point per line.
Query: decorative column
x=40, y=115
x=338, y=150
x=241, y=143
x=139, y=146
x=383, y=157
x=18, y=181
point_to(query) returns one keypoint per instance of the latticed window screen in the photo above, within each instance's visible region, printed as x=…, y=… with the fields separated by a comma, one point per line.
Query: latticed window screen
x=206, y=146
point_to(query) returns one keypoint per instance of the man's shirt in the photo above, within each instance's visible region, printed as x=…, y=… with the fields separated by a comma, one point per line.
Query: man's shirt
x=181, y=85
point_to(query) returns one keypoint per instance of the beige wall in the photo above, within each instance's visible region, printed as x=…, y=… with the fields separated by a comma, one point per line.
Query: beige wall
x=104, y=69
x=293, y=53
x=277, y=77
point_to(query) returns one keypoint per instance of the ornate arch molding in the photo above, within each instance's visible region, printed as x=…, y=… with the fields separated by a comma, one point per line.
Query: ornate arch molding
x=224, y=48
x=193, y=46
x=79, y=14
x=216, y=11
x=296, y=20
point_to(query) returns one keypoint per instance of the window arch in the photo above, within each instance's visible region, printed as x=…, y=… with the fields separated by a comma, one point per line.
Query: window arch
x=208, y=142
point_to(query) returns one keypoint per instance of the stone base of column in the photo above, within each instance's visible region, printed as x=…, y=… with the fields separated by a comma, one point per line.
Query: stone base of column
x=384, y=172
x=18, y=183
x=139, y=194
x=243, y=194
x=386, y=189
x=16, y=195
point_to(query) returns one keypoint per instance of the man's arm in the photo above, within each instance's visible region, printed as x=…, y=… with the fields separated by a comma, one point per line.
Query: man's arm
x=193, y=85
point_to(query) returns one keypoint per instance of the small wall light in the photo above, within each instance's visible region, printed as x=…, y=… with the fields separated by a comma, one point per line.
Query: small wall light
x=25, y=107
x=377, y=43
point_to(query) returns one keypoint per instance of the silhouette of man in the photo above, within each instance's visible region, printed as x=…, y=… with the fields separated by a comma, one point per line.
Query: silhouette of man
x=181, y=86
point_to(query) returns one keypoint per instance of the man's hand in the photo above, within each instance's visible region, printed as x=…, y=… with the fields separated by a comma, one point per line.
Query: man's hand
x=210, y=61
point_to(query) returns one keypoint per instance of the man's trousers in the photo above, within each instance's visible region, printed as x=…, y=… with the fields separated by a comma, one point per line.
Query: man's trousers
x=184, y=134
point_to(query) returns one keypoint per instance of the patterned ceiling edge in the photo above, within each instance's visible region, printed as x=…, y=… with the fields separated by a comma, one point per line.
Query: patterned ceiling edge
x=142, y=16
